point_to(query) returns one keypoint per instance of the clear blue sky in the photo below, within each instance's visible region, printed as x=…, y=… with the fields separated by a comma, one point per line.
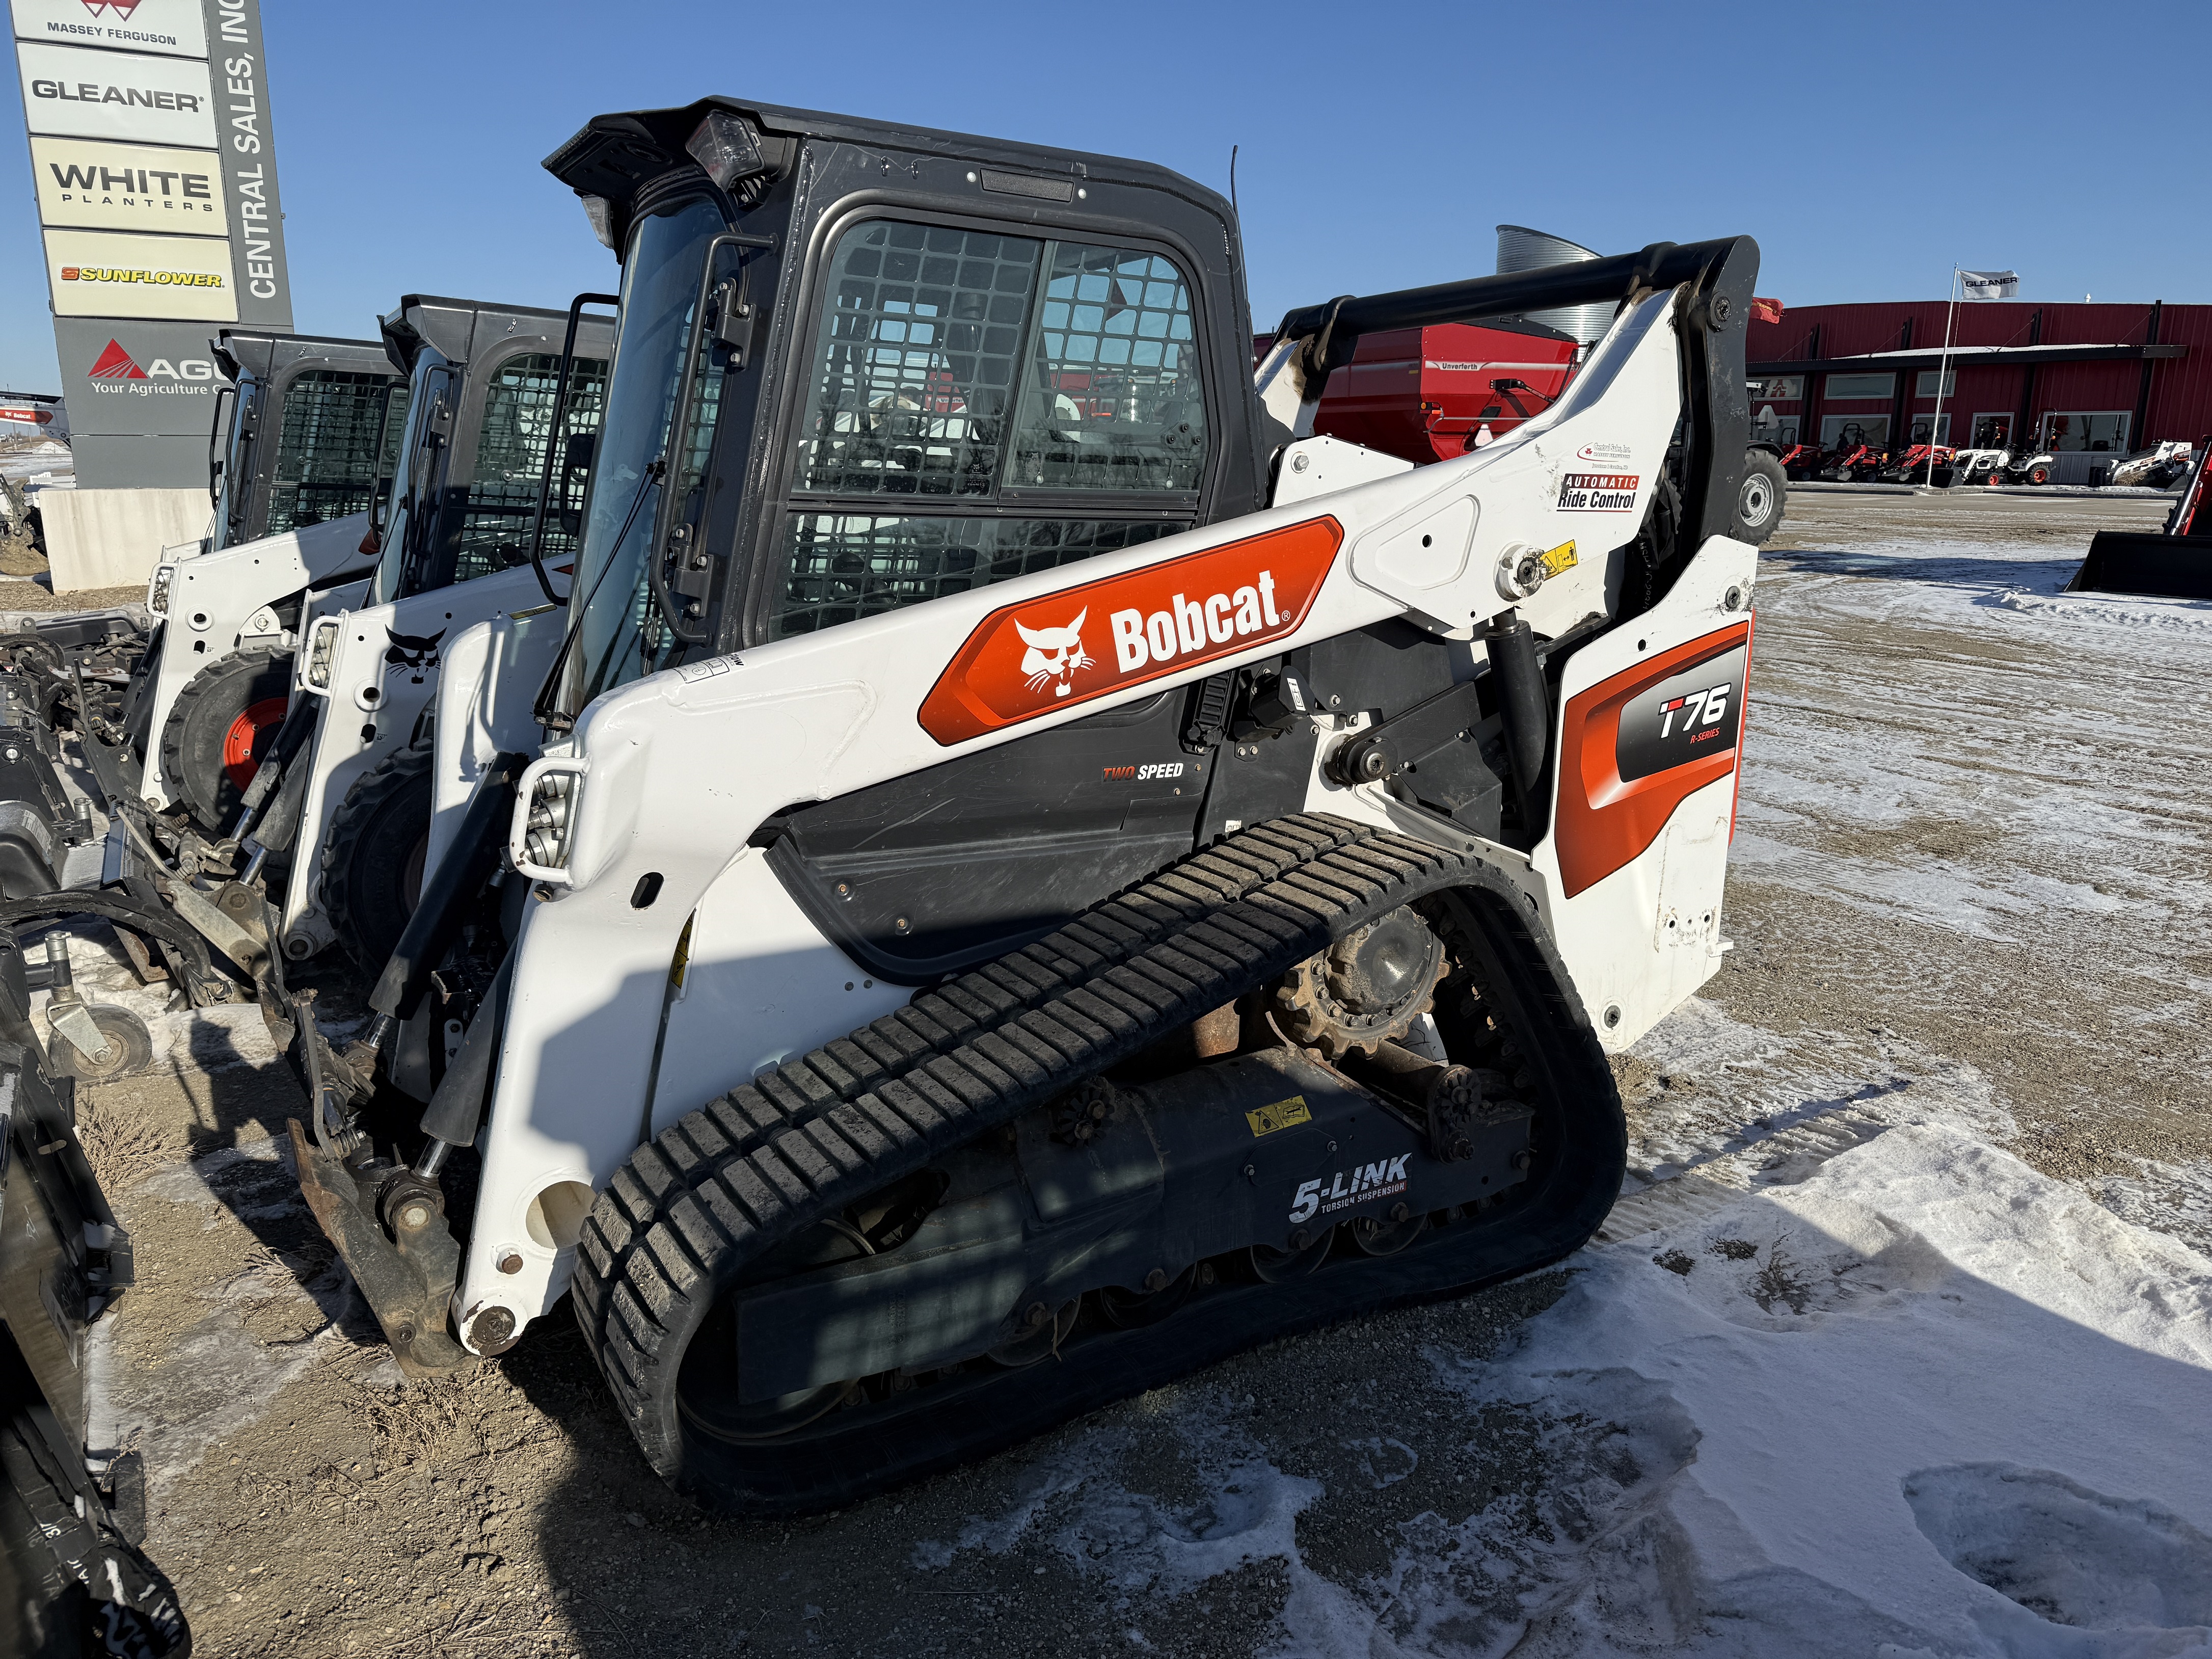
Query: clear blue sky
x=1867, y=146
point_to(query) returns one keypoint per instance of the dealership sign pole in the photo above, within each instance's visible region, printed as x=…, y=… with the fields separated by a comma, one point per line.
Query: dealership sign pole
x=155, y=164
x=1942, y=369
x=1972, y=285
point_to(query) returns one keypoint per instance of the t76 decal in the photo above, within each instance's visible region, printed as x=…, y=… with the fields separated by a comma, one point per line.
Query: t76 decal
x=1635, y=746
x=1080, y=644
x=1682, y=719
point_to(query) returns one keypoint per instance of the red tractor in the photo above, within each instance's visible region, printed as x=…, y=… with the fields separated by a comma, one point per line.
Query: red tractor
x=1801, y=462
x=1853, y=460
x=1921, y=464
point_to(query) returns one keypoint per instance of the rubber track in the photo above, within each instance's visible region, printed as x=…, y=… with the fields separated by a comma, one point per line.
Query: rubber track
x=681, y=1219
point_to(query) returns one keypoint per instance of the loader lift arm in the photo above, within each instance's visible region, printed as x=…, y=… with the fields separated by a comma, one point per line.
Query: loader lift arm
x=1714, y=279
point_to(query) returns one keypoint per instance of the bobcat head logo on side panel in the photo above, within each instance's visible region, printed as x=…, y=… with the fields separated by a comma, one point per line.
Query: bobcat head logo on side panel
x=1054, y=654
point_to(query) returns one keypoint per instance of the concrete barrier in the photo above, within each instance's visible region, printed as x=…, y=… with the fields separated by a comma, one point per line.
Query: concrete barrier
x=113, y=537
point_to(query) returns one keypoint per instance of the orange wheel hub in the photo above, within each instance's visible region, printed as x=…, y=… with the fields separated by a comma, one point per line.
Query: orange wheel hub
x=249, y=737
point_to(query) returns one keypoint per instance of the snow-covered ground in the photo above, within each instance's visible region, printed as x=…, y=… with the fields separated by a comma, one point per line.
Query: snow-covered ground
x=22, y=459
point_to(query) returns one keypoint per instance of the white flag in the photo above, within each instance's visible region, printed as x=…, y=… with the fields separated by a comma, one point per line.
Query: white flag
x=1991, y=284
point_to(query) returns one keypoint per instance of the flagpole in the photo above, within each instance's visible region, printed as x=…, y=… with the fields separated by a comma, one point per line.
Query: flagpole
x=1943, y=368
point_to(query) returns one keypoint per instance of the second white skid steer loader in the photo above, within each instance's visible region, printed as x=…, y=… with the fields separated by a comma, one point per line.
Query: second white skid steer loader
x=1030, y=855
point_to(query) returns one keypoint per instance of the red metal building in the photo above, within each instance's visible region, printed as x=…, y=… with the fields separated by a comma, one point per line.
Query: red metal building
x=2089, y=382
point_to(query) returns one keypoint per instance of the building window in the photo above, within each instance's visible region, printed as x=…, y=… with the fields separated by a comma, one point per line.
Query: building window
x=1924, y=386
x=1841, y=387
x=1778, y=389
x=1768, y=427
x=1850, y=431
x=2103, y=429
x=1992, y=432
x=1942, y=423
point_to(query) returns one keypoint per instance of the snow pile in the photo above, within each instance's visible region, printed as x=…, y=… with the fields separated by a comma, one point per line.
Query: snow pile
x=2120, y=609
x=1940, y=1403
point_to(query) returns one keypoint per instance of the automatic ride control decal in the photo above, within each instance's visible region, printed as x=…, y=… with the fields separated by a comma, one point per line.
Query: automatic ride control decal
x=1641, y=742
x=1076, y=646
x=1598, y=492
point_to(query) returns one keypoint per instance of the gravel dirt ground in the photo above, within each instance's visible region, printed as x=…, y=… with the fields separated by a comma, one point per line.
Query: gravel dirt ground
x=1968, y=876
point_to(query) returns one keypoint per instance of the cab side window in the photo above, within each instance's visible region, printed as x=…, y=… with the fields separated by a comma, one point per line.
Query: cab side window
x=1111, y=399
x=982, y=406
x=494, y=530
x=327, y=466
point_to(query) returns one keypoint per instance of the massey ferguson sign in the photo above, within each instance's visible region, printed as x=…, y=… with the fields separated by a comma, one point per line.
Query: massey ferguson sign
x=1078, y=645
x=174, y=29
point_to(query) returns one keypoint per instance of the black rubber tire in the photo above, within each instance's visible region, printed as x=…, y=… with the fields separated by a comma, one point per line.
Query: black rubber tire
x=373, y=862
x=200, y=720
x=1760, y=497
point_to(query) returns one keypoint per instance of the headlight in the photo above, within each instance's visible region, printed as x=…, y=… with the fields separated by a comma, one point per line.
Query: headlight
x=322, y=653
x=601, y=213
x=546, y=840
x=157, y=594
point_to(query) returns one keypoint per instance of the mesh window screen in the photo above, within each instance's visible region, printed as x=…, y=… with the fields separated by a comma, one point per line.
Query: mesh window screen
x=844, y=566
x=1111, y=399
x=494, y=533
x=326, y=457
x=915, y=366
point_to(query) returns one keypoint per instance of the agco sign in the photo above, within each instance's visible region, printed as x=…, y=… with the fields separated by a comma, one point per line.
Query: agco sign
x=116, y=371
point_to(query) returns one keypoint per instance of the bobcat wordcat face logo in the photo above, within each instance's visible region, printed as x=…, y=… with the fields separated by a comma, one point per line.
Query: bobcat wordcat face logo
x=1022, y=661
x=1053, y=655
x=416, y=653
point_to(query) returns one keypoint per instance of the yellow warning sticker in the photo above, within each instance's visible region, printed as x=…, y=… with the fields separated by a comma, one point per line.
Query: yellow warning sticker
x=1283, y=1114
x=1561, y=557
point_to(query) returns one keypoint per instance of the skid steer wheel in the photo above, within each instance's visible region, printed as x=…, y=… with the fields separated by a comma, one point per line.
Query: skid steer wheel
x=373, y=862
x=1760, y=497
x=221, y=725
x=659, y=1267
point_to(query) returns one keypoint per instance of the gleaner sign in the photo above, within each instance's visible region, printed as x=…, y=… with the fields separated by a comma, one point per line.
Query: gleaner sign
x=1037, y=657
x=75, y=92
x=96, y=92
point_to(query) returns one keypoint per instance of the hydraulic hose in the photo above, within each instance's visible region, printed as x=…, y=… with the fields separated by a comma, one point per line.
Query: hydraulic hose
x=1523, y=703
x=456, y=1105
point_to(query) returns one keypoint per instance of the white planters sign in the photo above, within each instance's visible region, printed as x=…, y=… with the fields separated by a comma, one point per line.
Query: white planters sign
x=173, y=27
x=116, y=95
x=87, y=185
x=96, y=273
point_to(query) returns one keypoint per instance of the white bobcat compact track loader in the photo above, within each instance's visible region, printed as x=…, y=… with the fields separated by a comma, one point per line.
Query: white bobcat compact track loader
x=1021, y=870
